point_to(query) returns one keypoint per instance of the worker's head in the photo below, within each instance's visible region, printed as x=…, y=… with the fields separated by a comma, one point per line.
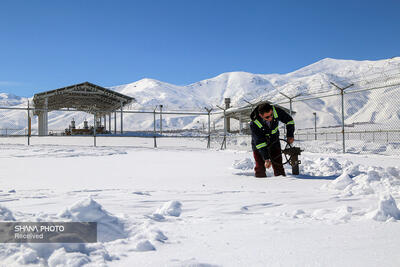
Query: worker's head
x=265, y=111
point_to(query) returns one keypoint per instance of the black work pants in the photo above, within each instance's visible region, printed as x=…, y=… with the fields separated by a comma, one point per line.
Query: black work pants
x=275, y=154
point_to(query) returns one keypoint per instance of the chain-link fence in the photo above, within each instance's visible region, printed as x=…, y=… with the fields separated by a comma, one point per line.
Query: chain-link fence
x=357, y=115
x=141, y=128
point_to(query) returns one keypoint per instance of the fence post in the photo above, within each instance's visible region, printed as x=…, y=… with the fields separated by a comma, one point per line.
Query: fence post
x=387, y=137
x=315, y=124
x=209, y=128
x=29, y=125
x=154, y=131
x=342, y=95
x=161, y=106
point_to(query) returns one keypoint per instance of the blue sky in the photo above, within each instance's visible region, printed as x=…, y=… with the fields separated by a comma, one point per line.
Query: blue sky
x=50, y=44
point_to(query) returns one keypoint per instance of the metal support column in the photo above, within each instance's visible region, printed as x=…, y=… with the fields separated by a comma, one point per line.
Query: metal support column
x=109, y=122
x=115, y=122
x=43, y=119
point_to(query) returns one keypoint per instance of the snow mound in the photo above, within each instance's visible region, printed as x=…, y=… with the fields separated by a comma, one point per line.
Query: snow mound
x=144, y=245
x=73, y=259
x=170, y=208
x=329, y=166
x=15, y=255
x=244, y=164
x=321, y=167
x=393, y=171
x=387, y=209
x=341, y=182
x=145, y=236
x=6, y=214
x=361, y=180
x=109, y=227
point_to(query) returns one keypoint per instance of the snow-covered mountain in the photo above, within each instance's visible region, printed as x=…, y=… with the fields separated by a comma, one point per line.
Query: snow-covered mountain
x=379, y=106
x=11, y=100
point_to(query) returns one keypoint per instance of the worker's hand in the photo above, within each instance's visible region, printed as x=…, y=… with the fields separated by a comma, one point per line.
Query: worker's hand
x=267, y=164
x=290, y=140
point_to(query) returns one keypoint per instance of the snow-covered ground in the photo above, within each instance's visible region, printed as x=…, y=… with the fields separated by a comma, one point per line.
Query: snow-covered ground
x=184, y=205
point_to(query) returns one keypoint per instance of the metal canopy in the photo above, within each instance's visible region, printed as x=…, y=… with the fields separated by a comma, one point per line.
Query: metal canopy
x=84, y=96
x=243, y=113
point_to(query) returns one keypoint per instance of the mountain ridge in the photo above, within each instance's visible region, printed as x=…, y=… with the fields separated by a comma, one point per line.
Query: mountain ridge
x=243, y=86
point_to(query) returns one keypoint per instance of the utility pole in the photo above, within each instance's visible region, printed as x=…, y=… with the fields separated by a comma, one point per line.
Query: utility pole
x=342, y=94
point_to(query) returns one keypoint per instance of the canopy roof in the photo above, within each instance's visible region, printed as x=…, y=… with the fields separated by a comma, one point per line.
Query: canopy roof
x=83, y=96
